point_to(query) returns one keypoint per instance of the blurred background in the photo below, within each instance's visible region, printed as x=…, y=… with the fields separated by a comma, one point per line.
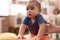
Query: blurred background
x=12, y=13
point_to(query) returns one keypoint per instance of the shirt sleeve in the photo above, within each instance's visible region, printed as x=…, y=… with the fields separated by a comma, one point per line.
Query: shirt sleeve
x=25, y=21
x=41, y=20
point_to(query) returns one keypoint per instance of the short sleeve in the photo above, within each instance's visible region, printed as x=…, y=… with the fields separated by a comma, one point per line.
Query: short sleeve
x=25, y=21
x=41, y=20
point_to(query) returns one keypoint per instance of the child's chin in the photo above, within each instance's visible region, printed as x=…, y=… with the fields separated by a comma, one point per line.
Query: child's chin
x=29, y=16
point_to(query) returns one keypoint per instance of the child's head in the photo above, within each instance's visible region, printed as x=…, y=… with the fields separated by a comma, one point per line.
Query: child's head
x=33, y=8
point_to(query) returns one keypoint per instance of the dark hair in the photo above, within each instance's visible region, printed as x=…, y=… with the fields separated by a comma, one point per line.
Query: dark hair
x=36, y=2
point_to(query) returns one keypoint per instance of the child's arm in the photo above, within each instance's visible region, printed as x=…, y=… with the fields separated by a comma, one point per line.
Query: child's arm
x=41, y=30
x=21, y=30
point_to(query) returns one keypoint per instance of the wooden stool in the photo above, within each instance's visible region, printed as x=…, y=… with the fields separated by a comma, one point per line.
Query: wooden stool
x=46, y=38
x=43, y=38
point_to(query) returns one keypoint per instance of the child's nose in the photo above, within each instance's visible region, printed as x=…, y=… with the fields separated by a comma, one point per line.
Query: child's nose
x=29, y=10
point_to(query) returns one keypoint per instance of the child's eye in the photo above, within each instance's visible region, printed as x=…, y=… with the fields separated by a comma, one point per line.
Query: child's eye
x=32, y=8
x=27, y=9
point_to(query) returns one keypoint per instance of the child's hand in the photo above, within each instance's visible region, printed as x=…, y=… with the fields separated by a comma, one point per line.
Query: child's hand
x=35, y=38
x=20, y=37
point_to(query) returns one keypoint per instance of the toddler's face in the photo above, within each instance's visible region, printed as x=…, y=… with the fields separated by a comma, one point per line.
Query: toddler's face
x=32, y=10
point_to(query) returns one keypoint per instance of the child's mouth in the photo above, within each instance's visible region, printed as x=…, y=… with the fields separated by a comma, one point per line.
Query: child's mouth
x=29, y=14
